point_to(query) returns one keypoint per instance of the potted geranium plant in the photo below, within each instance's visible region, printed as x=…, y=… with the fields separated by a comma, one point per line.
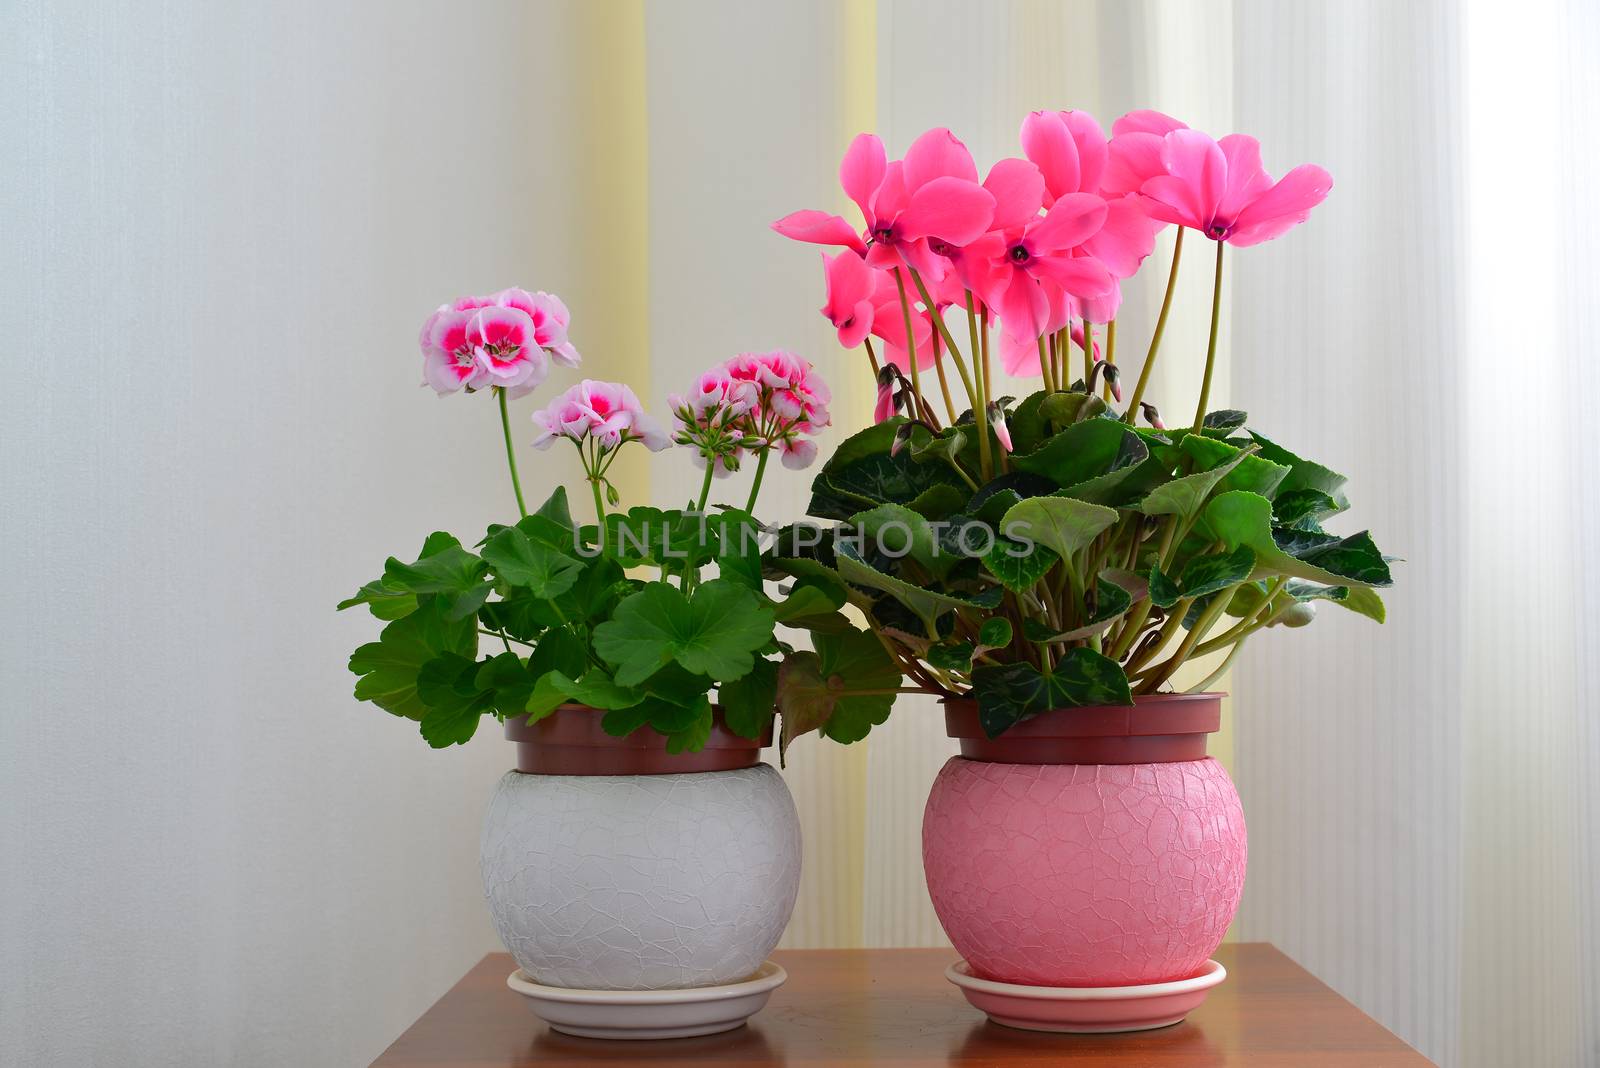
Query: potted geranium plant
x=639, y=843
x=1047, y=565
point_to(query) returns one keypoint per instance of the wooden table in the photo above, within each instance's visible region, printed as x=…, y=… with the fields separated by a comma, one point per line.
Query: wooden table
x=856, y=1007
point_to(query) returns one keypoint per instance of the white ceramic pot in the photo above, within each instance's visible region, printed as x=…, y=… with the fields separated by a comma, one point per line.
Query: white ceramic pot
x=641, y=882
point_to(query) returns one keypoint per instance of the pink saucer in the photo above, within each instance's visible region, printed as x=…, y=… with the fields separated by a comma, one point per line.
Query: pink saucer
x=1086, y=1009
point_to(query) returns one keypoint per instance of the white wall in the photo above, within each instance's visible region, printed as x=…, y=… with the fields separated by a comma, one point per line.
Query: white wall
x=221, y=226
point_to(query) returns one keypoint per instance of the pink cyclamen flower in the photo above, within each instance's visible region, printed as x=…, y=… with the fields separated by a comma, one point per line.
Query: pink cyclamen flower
x=851, y=285
x=1069, y=148
x=1134, y=154
x=1002, y=432
x=1011, y=265
x=928, y=196
x=1221, y=189
x=605, y=411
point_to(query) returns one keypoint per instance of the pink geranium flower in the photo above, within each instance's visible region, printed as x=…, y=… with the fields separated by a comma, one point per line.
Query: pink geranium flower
x=502, y=341
x=506, y=340
x=606, y=412
x=550, y=320
x=791, y=403
x=1221, y=189
x=449, y=362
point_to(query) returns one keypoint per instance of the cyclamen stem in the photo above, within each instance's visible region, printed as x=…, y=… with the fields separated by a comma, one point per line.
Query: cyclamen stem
x=1088, y=349
x=1161, y=327
x=911, y=340
x=1211, y=345
x=755, y=488
x=511, y=456
x=1111, y=353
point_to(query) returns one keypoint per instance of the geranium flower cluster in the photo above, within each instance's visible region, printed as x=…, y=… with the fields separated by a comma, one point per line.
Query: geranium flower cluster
x=1041, y=244
x=504, y=340
x=754, y=402
x=607, y=414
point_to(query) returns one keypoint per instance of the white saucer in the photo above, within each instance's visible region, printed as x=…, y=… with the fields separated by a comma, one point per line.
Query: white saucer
x=645, y=1014
x=1086, y=1009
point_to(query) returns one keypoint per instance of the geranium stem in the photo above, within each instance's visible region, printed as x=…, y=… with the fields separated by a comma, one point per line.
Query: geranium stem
x=755, y=487
x=1211, y=345
x=511, y=456
x=1161, y=328
x=705, y=487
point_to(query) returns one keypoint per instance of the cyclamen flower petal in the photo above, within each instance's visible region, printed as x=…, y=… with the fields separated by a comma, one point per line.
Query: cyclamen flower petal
x=819, y=228
x=861, y=171
x=1146, y=121
x=938, y=153
x=1018, y=191
x=951, y=209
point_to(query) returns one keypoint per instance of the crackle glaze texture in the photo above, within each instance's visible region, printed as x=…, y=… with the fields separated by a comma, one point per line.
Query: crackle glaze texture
x=1084, y=874
x=641, y=882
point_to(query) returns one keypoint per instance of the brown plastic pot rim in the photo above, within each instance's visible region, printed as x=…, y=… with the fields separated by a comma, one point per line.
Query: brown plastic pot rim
x=571, y=741
x=1156, y=729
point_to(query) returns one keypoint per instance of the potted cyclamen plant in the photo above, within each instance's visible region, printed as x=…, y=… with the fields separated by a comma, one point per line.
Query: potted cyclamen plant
x=639, y=844
x=1047, y=565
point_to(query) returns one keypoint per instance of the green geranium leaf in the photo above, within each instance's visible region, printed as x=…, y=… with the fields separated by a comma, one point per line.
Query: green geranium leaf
x=518, y=560
x=1012, y=692
x=1204, y=575
x=1061, y=524
x=1241, y=518
x=555, y=508
x=738, y=536
x=384, y=602
x=818, y=691
x=389, y=666
x=505, y=678
x=448, y=686
x=713, y=634
x=748, y=702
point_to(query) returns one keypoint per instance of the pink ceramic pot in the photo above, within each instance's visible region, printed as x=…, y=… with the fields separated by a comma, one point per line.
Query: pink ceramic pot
x=1086, y=846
